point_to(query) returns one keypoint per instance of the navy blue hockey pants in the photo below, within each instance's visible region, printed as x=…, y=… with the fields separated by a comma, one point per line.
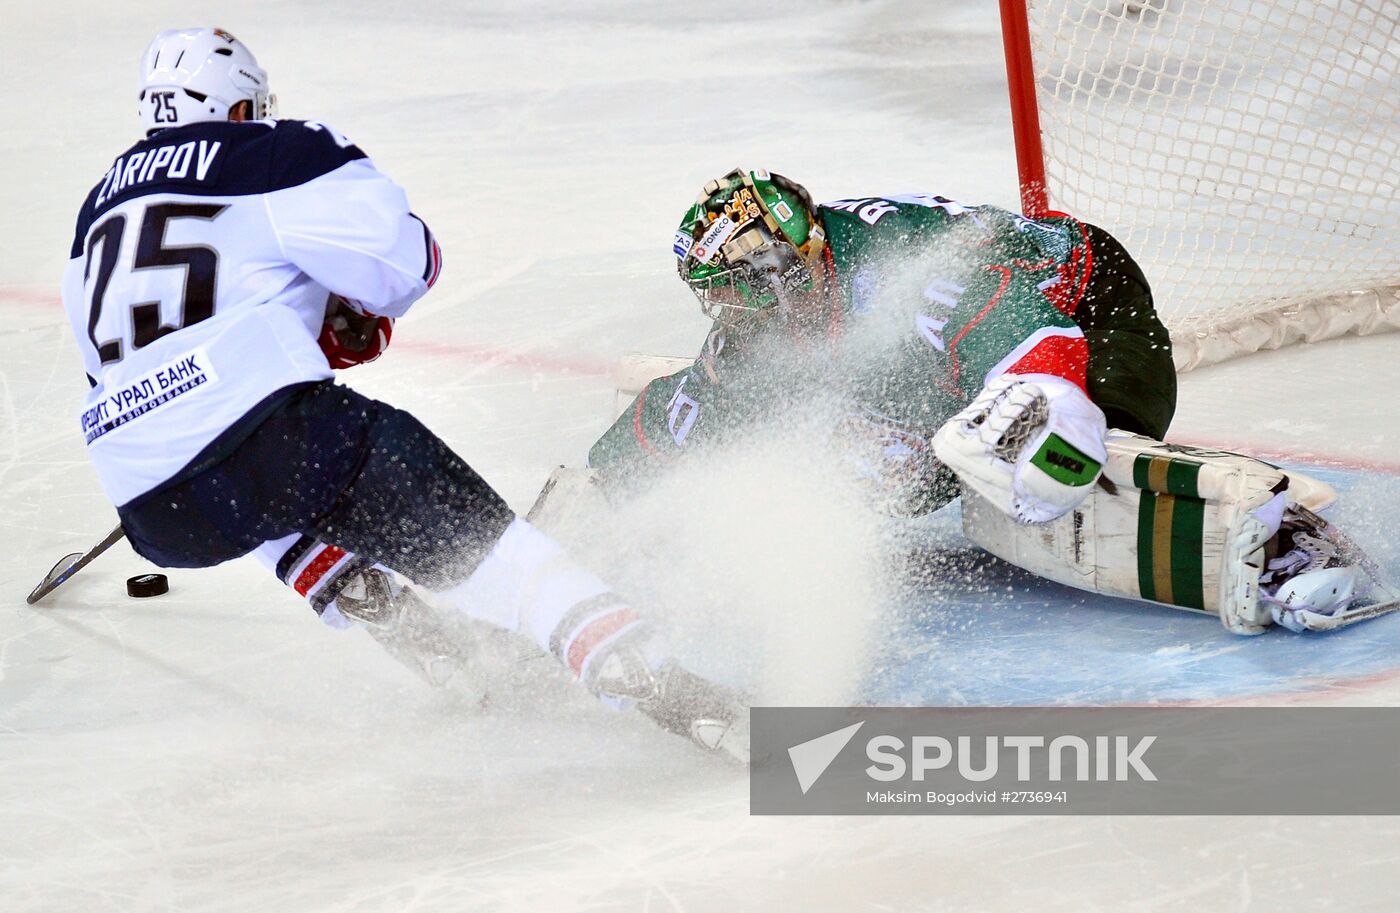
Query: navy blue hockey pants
x=327, y=462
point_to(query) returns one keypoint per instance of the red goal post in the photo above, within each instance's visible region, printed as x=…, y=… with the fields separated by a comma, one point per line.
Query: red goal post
x=1245, y=151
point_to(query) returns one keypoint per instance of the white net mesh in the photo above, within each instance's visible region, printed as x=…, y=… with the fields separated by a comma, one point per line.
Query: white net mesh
x=1245, y=152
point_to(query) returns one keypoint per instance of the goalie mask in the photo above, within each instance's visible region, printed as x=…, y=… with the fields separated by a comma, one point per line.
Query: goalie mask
x=750, y=239
x=192, y=75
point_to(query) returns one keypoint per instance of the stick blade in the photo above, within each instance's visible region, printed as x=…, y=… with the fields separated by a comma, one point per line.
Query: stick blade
x=60, y=572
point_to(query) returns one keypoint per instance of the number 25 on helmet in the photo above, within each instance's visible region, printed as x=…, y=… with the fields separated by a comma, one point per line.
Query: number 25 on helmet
x=751, y=238
x=199, y=74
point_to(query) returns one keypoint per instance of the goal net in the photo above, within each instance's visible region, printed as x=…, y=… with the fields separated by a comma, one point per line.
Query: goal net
x=1245, y=152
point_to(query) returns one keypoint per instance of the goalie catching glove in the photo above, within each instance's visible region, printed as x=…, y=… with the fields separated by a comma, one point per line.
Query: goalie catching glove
x=1030, y=444
x=350, y=337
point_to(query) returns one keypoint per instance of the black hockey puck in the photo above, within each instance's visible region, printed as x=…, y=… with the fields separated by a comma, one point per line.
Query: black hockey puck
x=143, y=585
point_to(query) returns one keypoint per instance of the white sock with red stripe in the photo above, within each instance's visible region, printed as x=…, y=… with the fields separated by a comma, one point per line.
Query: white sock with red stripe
x=530, y=585
x=315, y=569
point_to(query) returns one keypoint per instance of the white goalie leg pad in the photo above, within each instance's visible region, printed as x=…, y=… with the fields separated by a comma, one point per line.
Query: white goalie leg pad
x=1032, y=445
x=1176, y=525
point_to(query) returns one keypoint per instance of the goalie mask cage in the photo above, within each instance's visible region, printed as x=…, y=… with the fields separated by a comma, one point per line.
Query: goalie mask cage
x=1246, y=153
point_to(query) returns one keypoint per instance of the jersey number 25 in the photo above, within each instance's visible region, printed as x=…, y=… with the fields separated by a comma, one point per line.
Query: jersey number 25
x=201, y=265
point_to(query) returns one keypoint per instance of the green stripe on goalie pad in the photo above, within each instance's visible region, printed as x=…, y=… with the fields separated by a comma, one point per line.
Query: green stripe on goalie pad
x=1166, y=475
x=1188, y=522
x=1147, y=583
x=1170, y=546
x=1065, y=463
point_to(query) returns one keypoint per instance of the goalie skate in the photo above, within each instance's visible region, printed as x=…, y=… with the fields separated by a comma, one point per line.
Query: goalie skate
x=1322, y=581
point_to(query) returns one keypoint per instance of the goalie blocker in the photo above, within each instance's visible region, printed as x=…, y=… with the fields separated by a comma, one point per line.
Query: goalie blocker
x=1201, y=530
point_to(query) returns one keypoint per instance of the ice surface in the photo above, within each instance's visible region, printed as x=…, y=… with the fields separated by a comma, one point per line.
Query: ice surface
x=218, y=749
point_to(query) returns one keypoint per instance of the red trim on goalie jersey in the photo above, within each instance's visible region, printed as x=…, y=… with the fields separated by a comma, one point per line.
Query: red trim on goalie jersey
x=1085, y=272
x=1067, y=294
x=1067, y=290
x=1058, y=355
x=955, y=369
x=637, y=423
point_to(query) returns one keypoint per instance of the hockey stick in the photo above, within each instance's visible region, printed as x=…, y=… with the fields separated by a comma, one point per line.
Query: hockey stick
x=69, y=565
x=569, y=495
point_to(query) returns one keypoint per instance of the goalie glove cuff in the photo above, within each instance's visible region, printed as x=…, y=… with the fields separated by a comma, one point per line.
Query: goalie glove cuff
x=1059, y=466
x=1033, y=445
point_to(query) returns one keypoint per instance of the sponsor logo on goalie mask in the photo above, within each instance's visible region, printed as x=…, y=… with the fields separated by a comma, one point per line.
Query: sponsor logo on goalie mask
x=708, y=249
x=681, y=244
x=742, y=207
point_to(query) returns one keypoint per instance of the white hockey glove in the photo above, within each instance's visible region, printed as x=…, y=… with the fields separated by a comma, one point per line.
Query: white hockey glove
x=1031, y=444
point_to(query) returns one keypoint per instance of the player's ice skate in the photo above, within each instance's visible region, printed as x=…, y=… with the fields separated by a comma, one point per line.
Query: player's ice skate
x=710, y=715
x=409, y=629
x=444, y=648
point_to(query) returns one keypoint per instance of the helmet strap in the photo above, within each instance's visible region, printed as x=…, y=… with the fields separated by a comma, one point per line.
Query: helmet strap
x=742, y=245
x=816, y=243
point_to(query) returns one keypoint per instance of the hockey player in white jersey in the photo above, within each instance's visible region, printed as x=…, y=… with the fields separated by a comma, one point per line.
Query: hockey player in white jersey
x=220, y=269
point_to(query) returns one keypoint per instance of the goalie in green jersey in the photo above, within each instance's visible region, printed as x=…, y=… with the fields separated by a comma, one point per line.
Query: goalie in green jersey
x=969, y=350
x=909, y=307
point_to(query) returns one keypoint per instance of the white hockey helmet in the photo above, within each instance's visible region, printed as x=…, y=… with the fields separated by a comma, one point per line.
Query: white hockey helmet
x=191, y=75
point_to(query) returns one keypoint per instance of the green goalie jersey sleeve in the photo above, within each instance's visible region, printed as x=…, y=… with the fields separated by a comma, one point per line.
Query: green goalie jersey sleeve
x=655, y=426
x=733, y=382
